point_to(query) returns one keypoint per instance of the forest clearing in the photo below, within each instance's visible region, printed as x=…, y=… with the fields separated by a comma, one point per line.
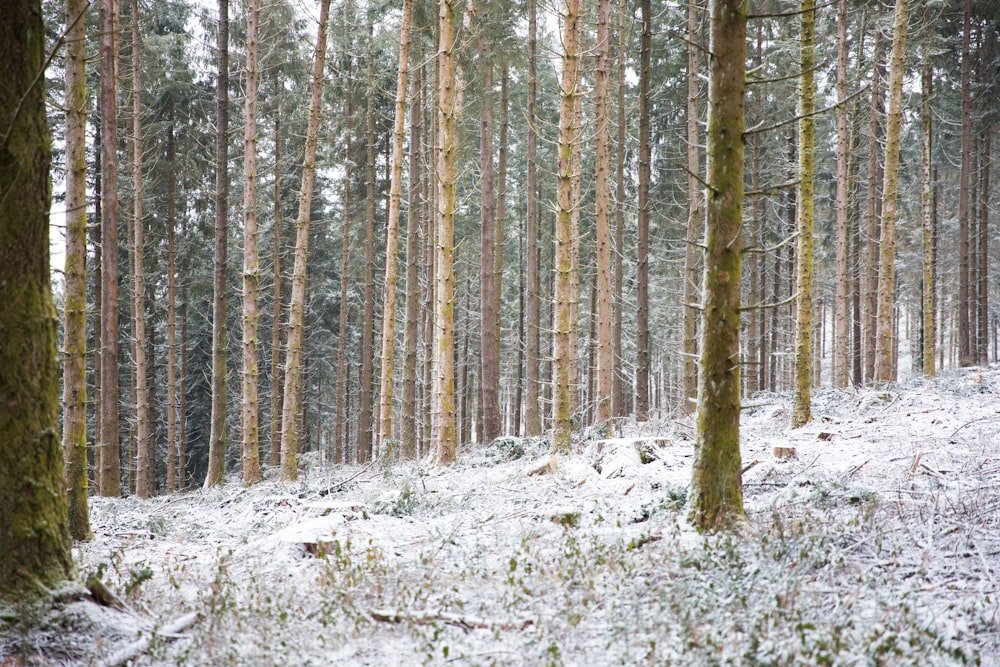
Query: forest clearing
x=878, y=544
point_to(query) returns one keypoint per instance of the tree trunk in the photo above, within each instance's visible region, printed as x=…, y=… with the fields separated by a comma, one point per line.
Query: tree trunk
x=34, y=537
x=802, y=411
x=716, y=497
x=562, y=297
x=342, y=410
x=217, y=437
x=443, y=412
x=489, y=298
x=274, y=439
x=391, y=238
x=884, y=357
x=642, y=252
x=109, y=448
x=75, y=308
x=171, y=318
x=964, y=184
x=501, y=215
x=928, y=284
x=841, y=333
x=689, y=346
x=620, y=407
x=532, y=417
x=869, y=275
x=983, y=302
x=604, y=388
x=250, y=462
x=368, y=298
x=291, y=433
x=408, y=436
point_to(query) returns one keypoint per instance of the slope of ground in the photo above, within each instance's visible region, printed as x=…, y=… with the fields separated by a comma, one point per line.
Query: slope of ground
x=878, y=543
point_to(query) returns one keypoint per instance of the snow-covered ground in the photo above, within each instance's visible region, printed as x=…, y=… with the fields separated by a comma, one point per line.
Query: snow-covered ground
x=878, y=544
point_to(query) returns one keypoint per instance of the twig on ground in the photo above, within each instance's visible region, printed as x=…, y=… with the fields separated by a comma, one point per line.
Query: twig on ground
x=141, y=645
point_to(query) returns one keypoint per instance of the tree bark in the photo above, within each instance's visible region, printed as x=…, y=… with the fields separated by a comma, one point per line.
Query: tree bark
x=716, y=498
x=964, y=185
x=620, y=407
x=602, y=189
x=291, y=433
x=34, y=534
x=171, y=462
x=217, y=437
x=841, y=334
x=443, y=413
x=391, y=238
x=274, y=438
x=689, y=347
x=532, y=417
x=562, y=297
x=75, y=308
x=884, y=356
x=489, y=300
x=802, y=410
x=250, y=462
x=928, y=284
x=109, y=448
x=642, y=251
x=408, y=436
x=365, y=379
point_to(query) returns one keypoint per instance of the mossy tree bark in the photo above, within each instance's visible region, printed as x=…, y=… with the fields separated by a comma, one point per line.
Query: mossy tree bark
x=250, y=461
x=716, y=499
x=75, y=308
x=443, y=437
x=928, y=332
x=802, y=411
x=884, y=349
x=34, y=533
x=562, y=297
x=291, y=434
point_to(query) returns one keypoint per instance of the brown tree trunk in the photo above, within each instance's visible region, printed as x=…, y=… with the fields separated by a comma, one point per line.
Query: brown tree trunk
x=689, y=346
x=274, y=439
x=171, y=461
x=391, y=238
x=291, y=434
x=368, y=299
x=109, y=448
x=489, y=298
x=408, y=436
x=983, y=302
x=841, y=334
x=642, y=251
x=75, y=308
x=620, y=407
x=562, y=297
x=964, y=185
x=443, y=439
x=869, y=275
x=342, y=446
x=603, y=296
x=250, y=461
x=532, y=417
x=217, y=437
x=884, y=348
x=928, y=284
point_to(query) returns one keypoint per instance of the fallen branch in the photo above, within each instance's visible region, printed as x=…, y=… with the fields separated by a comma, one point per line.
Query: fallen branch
x=141, y=645
x=465, y=622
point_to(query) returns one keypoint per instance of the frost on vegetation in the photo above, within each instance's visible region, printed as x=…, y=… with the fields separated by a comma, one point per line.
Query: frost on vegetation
x=878, y=545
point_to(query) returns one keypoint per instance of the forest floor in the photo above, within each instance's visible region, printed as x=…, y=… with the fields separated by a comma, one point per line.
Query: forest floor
x=877, y=544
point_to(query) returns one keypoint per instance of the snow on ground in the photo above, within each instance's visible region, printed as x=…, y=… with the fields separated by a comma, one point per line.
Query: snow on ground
x=878, y=544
